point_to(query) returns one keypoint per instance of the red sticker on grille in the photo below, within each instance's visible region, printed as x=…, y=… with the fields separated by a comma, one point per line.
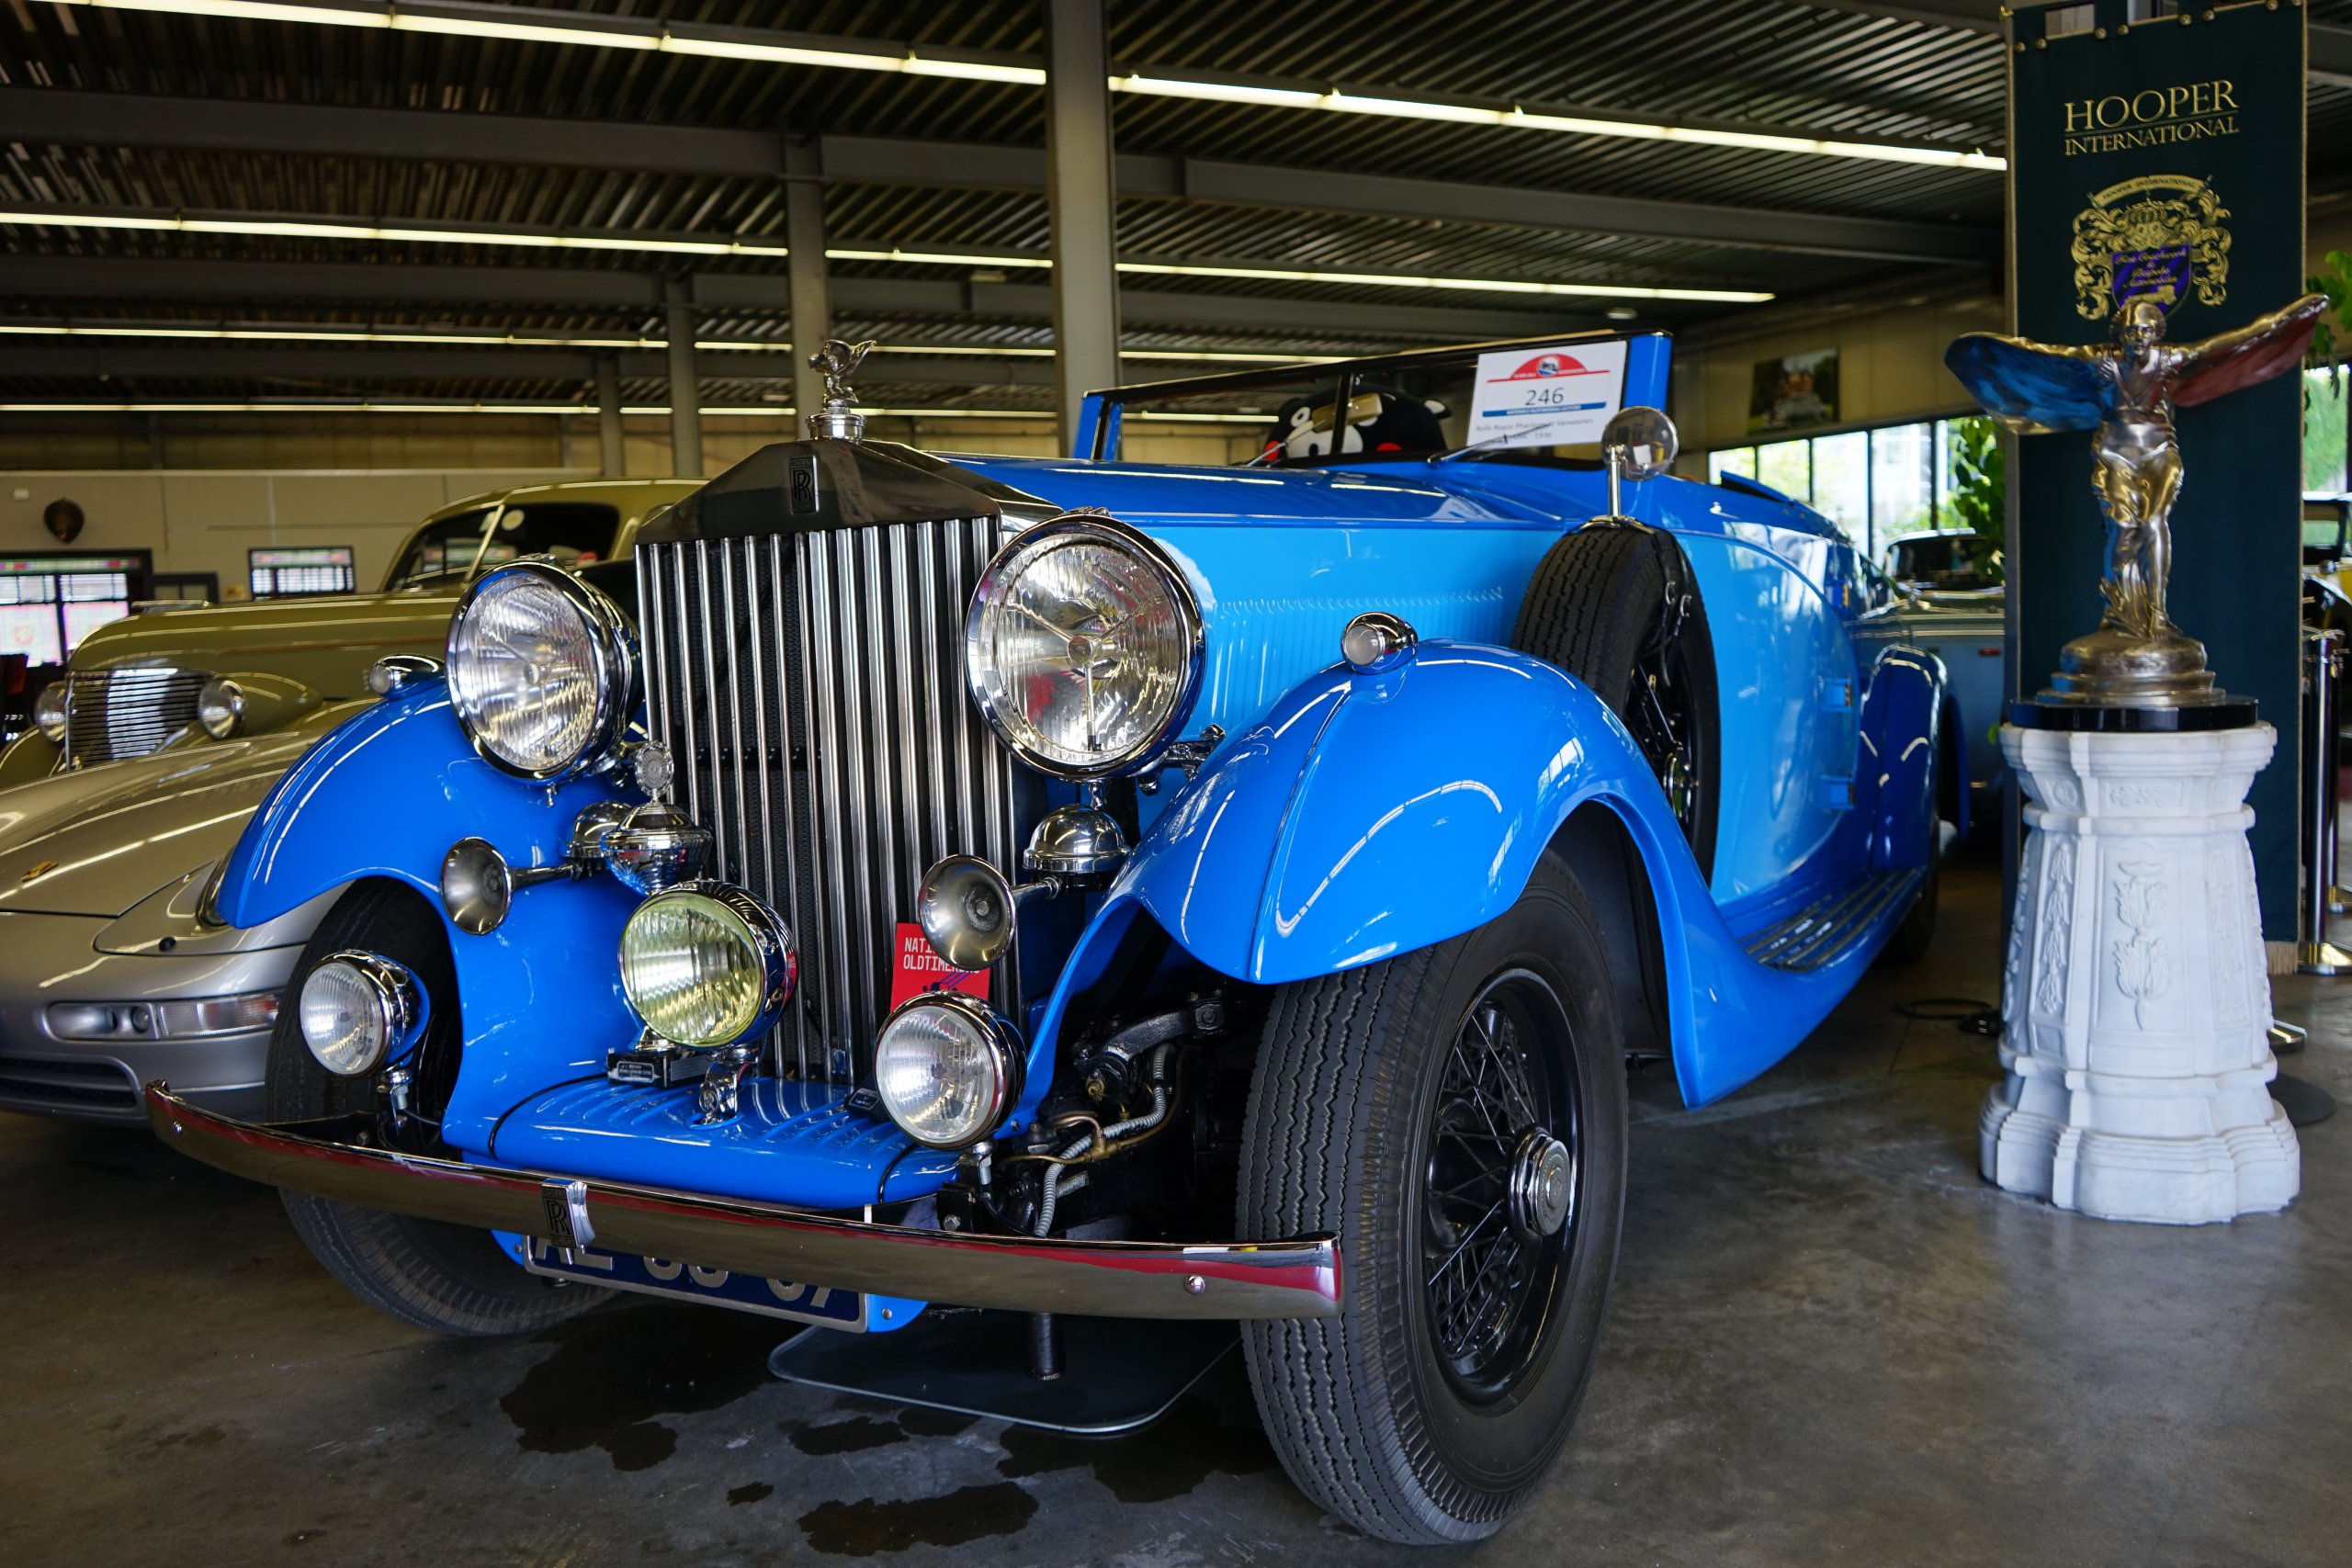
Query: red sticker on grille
x=919, y=970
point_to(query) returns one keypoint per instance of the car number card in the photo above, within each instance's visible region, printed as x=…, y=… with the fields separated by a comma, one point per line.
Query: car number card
x=1552, y=397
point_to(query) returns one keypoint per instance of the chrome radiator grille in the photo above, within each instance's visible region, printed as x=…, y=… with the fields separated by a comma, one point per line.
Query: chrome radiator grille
x=810, y=689
x=113, y=713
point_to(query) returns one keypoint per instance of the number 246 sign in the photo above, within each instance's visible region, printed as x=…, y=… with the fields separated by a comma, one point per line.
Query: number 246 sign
x=1552, y=397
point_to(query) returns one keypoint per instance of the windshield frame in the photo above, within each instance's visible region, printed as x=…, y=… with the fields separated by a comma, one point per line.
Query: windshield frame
x=1099, y=432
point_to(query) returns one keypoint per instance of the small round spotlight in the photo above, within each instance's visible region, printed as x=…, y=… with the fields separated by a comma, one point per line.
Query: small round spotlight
x=965, y=909
x=706, y=963
x=949, y=1069
x=1377, y=641
x=357, y=1010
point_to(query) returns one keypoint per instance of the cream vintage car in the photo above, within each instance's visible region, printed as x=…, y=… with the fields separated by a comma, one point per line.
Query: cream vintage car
x=144, y=766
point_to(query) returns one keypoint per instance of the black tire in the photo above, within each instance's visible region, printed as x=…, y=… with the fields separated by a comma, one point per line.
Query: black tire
x=1909, y=942
x=445, y=1278
x=1598, y=607
x=1357, y=1121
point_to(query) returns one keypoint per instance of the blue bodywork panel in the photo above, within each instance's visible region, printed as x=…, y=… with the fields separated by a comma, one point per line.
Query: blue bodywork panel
x=1346, y=817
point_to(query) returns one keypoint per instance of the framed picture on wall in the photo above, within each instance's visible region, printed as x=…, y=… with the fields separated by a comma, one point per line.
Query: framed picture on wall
x=1794, y=390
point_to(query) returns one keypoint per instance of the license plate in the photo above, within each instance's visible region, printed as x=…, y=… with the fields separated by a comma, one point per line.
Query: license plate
x=818, y=1304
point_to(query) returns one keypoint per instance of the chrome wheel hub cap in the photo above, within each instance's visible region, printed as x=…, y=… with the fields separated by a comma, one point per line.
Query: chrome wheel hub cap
x=1542, y=1186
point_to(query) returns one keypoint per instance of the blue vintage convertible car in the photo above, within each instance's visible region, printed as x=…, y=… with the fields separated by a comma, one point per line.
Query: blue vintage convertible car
x=1085, y=887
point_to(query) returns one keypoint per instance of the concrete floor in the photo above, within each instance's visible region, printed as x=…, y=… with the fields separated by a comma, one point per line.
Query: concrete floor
x=1830, y=1343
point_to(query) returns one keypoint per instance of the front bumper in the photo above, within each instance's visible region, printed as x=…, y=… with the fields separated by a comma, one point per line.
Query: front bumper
x=1102, y=1279
x=51, y=959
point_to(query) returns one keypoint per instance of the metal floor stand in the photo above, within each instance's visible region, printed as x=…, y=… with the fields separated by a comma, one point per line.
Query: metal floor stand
x=1118, y=1373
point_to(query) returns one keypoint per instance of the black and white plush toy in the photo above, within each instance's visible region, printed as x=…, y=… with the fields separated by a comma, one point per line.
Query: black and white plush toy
x=1378, y=421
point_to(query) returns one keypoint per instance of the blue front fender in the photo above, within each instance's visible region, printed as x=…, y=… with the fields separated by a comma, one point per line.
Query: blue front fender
x=386, y=794
x=1370, y=814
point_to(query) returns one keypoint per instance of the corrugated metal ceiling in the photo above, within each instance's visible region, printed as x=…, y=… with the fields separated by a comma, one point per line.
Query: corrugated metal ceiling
x=1771, y=63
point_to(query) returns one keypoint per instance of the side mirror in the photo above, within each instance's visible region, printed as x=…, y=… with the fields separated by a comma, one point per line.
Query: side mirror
x=1637, y=443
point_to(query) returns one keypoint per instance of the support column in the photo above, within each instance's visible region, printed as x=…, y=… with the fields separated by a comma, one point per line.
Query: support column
x=1080, y=205
x=612, y=458
x=685, y=385
x=811, y=280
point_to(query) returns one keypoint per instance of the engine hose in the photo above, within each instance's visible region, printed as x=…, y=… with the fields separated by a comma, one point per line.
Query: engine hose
x=1054, y=1184
x=1053, y=1187
x=1158, y=1111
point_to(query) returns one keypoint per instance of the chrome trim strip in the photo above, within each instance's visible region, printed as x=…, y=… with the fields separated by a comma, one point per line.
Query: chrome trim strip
x=656, y=644
x=735, y=714
x=825, y=748
x=809, y=1023
x=1290, y=1278
x=715, y=819
x=686, y=762
x=861, y=605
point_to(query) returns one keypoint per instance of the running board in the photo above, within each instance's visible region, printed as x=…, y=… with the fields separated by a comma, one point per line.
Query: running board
x=1827, y=929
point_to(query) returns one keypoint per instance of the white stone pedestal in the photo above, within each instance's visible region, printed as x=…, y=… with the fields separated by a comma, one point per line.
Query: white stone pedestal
x=2136, y=1002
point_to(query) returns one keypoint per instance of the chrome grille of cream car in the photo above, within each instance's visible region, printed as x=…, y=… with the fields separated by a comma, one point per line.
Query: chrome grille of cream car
x=810, y=689
x=126, y=712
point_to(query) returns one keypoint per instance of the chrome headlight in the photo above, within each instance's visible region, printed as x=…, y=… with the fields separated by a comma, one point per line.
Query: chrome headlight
x=220, y=707
x=948, y=1069
x=704, y=964
x=542, y=671
x=48, y=711
x=1083, y=648
x=357, y=1010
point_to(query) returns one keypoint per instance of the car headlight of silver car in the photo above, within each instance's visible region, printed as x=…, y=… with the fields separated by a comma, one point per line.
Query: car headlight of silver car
x=543, y=671
x=948, y=1069
x=1083, y=648
x=220, y=707
x=704, y=964
x=49, y=712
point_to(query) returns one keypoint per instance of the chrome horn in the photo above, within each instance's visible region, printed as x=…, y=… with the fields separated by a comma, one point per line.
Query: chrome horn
x=967, y=911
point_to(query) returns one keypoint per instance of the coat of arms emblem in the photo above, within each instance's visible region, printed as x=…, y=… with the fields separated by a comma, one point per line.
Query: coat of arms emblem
x=2159, y=235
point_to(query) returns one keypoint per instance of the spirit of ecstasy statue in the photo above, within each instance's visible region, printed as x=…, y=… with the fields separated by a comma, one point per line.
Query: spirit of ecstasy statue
x=2126, y=391
x=839, y=417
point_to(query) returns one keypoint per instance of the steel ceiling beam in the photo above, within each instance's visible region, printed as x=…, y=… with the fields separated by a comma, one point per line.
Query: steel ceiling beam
x=2328, y=56
x=120, y=120
x=334, y=362
x=44, y=277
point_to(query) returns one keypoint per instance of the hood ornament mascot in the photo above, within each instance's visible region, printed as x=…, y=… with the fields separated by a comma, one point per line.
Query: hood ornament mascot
x=839, y=419
x=2125, y=391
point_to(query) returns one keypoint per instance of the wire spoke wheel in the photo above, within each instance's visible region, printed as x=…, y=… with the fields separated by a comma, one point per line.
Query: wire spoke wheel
x=1489, y=1268
x=1456, y=1116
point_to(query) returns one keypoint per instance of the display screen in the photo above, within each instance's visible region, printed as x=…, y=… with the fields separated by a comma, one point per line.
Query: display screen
x=292, y=573
x=49, y=604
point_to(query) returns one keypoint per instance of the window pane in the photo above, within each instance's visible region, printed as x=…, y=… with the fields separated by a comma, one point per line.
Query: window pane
x=82, y=618
x=31, y=630
x=1943, y=474
x=1787, y=467
x=1841, y=481
x=1901, y=472
x=2327, y=404
x=1739, y=460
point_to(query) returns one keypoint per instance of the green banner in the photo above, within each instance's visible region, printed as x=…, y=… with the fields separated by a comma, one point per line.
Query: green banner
x=2165, y=158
